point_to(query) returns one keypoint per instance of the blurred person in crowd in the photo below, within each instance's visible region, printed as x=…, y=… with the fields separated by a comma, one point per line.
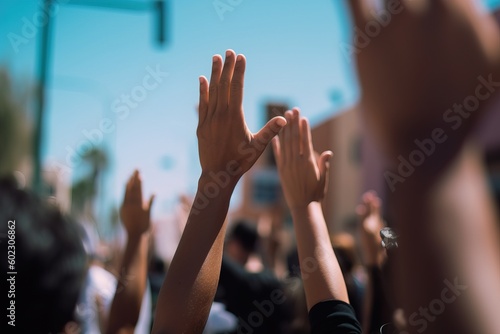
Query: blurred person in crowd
x=156, y=275
x=130, y=310
x=49, y=251
x=296, y=300
x=49, y=260
x=377, y=309
x=242, y=242
x=220, y=321
x=105, y=278
x=344, y=248
x=243, y=292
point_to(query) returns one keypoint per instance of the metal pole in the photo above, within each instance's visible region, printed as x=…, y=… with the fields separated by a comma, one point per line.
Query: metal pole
x=42, y=68
x=159, y=5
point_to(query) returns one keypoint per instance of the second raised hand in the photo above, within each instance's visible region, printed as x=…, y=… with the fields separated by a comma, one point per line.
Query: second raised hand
x=134, y=214
x=303, y=173
x=225, y=143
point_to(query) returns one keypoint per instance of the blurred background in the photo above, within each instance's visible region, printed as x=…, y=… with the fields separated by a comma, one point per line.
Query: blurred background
x=93, y=89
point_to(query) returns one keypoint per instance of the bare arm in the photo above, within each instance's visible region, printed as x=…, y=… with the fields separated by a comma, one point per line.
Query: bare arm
x=303, y=179
x=462, y=217
x=227, y=150
x=408, y=98
x=372, y=252
x=126, y=305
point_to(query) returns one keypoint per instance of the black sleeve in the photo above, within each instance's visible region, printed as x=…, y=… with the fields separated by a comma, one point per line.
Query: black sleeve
x=381, y=307
x=333, y=317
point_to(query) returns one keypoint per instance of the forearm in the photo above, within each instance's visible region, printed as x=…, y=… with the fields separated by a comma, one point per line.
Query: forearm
x=132, y=278
x=321, y=272
x=463, y=204
x=448, y=233
x=189, y=288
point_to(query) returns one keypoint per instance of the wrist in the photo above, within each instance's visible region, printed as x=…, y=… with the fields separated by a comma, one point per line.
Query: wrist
x=305, y=208
x=212, y=192
x=211, y=183
x=135, y=239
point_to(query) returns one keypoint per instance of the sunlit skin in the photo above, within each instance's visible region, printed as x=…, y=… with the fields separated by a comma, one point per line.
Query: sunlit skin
x=189, y=288
x=303, y=175
x=135, y=217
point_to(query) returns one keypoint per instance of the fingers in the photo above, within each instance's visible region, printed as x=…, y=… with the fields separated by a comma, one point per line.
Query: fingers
x=296, y=139
x=295, y=133
x=361, y=210
x=129, y=188
x=225, y=81
x=133, y=190
x=286, y=139
x=203, y=104
x=150, y=203
x=214, y=83
x=226, y=85
x=306, y=137
x=136, y=188
x=237, y=83
x=277, y=150
x=372, y=202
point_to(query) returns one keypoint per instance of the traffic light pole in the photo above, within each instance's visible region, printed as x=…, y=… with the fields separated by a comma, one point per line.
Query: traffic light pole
x=38, y=138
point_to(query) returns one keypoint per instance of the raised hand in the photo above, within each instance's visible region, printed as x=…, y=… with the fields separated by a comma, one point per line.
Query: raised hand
x=371, y=224
x=135, y=216
x=303, y=174
x=225, y=143
x=227, y=150
x=303, y=177
x=127, y=301
x=426, y=60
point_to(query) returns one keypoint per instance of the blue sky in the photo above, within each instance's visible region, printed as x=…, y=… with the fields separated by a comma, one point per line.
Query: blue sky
x=99, y=54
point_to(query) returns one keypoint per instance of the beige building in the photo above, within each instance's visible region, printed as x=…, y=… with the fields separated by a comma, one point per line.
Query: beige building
x=357, y=166
x=341, y=134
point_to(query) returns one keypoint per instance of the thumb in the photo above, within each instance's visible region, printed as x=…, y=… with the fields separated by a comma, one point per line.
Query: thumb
x=324, y=168
x=150, y=203
x=276, y=151
x=323, y=162
x=269, y=131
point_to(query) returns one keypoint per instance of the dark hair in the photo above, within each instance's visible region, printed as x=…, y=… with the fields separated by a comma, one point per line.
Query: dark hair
x=50, y=262
x=246, y=234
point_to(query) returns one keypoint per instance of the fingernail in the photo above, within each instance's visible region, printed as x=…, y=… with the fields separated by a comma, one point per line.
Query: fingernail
x=200, y=78
x=228, y=53
x=214, y=59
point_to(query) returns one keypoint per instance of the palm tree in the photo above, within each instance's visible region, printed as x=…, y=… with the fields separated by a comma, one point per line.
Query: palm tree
x=85, y=190
x=13, y=130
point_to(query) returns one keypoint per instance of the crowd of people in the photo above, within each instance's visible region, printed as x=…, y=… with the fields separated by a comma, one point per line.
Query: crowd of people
x=435, y=270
